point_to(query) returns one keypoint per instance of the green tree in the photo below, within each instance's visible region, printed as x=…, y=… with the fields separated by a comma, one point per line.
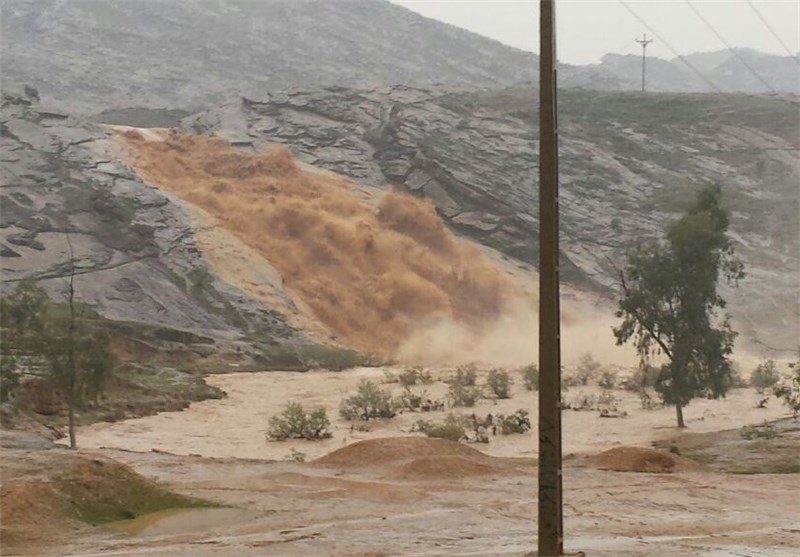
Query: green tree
x=670, y=304
x=764, y=376
x=76, y=356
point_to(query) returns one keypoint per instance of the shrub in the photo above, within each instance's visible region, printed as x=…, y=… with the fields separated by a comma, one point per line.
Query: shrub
x=587, y=369
x=765, y=431
x=530, y=377
x=295, y=423
x=607, y=379
x=9, y=377
x=582, y=401
x=764, y=376
x=643, y=378
x=410, y=400
x=408, y=377
x=414, y=375
x=464, y=376
x=789, y=389
x=499, y=383
x=737, y=380
x=463, y=395
x=518, y=422
x=608, y=405
x=451, y=428
x=370, y=401
x=295, y=456
x=649, y=402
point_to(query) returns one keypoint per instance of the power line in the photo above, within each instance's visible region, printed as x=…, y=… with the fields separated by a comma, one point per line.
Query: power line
x=730, y=48
x=674, y=52
x=772, y=30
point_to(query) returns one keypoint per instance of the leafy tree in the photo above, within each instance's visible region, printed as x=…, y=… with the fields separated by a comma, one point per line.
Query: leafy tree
x=789, y=389
x=764, y=376
x=669, y=304
x=77, y=357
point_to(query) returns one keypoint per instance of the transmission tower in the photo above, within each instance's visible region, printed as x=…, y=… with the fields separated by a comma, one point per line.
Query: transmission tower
x=644, y=41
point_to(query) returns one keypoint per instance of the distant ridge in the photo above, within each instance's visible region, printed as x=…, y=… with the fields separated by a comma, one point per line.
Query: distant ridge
x=86, y=56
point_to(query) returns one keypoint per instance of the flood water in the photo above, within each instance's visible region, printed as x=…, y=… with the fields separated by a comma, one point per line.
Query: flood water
x=181, y=521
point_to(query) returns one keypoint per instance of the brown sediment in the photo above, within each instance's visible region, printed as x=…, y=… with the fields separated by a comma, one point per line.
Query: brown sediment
x=370, y=275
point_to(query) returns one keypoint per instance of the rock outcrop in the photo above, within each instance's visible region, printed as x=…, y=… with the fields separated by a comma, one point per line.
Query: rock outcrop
x=135, y=252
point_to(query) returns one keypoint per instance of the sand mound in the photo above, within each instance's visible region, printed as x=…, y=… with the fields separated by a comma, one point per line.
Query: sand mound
x=640, y=459
x=398, y=450
x=417, y=458
x=50, y=493
x=370, y=275
x=443, y=467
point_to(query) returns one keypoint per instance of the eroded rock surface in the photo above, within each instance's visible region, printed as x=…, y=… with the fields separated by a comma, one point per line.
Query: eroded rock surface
x=629, y=164
x=136, y=256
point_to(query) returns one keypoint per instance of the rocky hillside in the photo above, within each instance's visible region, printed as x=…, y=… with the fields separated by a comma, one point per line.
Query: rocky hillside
x=629, y=164
x=90, y=55
x=137, y=258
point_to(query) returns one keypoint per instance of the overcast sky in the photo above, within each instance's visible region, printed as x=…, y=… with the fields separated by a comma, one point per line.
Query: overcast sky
x=587, y=29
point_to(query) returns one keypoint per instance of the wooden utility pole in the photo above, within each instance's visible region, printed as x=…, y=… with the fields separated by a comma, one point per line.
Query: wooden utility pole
x=644, y=41
x=550, y=507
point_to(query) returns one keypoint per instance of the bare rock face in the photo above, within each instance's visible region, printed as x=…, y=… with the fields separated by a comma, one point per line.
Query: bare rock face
x=629, y=165
x=135, y=253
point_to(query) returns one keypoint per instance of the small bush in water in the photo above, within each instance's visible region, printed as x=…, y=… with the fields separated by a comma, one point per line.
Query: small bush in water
x=295, y=423
x=499, y=383
x=370, y=401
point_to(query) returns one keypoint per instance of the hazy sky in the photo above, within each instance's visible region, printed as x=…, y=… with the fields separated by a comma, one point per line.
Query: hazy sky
x=587, y=29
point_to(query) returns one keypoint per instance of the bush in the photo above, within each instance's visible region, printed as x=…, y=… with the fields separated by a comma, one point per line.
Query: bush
x=582, y=401
x=295, y=423
x=464, y=376
x=9, y=377
x=789, y=389
x=765, y=431
x=530, y=377
x=518, y=422
x=608, y=405
x=499, y=383
x=463, y=395
x=295, y=456
x=410, y=400
x=414, y=375
x=607, y=379
x=451, y=428
x=737, y=380
x=370, y=401
x=643, y=378
x=764, y=376
x=588, y=368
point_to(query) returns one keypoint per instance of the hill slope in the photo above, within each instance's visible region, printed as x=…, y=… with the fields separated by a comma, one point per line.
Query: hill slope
x=629, y=164
x=92, y=55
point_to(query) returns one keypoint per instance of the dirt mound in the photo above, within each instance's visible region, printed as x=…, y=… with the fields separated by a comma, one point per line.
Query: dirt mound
x=45, y=495
x=446, y=467
x=640, y=459
x=370, y=275
x=419, y=458
x=399, y=450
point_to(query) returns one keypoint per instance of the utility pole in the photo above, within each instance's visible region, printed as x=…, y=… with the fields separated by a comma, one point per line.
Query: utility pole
x=644, y=41
x=551, y=526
